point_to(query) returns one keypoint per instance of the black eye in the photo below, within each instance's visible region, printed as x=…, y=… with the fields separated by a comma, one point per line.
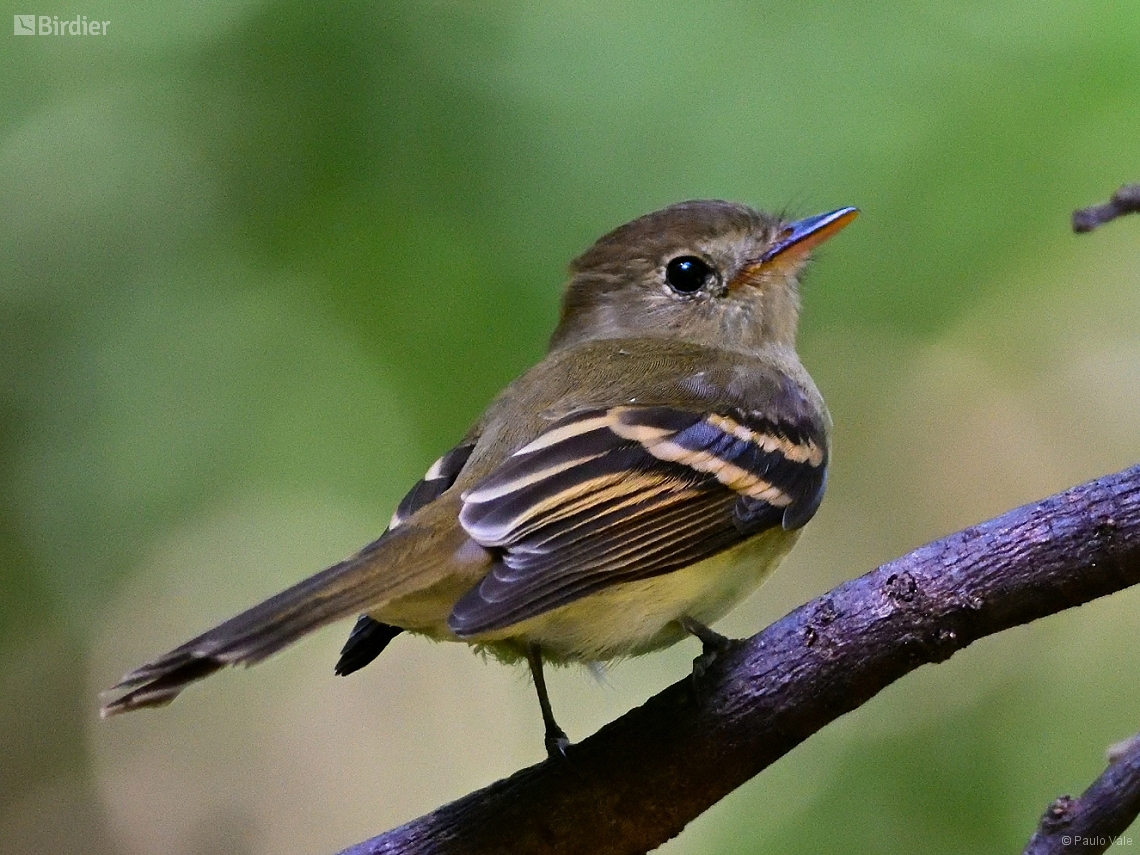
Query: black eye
x=687, y=273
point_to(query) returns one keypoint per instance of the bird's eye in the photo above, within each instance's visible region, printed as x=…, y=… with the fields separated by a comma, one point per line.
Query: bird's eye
x=686, y=274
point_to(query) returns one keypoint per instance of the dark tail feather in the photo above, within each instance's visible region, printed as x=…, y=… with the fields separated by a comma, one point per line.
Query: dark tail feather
x=366, y=641
x=338, y=592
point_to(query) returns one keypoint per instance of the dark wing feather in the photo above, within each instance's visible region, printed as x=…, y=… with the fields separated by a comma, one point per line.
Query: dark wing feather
x=434, y=484
x=369, y=636
x=610, y=496
x=367, y=640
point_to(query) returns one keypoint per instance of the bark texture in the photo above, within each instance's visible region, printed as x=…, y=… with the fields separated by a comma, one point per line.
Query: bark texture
x=638, y=781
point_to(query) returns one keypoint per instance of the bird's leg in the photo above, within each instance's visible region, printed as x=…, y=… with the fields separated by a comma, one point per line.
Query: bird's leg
x=556, y=739
x=712, y=643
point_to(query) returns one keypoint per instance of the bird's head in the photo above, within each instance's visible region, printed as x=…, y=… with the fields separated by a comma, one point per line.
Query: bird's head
x=709, y=272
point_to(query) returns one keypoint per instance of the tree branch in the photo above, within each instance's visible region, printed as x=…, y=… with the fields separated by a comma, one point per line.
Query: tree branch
x=639, y=780
x=1092, y=823
x=1126, y=200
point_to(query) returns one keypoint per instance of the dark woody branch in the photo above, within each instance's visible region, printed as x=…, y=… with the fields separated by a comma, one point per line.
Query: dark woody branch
x=1094, y=821
x=638, y=781
x=1126, y=200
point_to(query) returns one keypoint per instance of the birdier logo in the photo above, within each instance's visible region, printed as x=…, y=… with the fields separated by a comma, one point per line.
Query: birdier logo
x=51, y=25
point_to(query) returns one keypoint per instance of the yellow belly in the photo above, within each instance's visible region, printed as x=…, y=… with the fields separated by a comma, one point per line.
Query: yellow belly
x=637, y=617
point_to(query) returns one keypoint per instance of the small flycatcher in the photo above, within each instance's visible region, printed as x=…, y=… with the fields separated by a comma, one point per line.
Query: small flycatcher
x=628, y=490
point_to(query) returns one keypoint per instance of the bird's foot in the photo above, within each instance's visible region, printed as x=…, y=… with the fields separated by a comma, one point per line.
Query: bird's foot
x=557, y=742
x=712, y=645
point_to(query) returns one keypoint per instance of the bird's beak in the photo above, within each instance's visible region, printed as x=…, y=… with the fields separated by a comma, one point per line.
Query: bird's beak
x=799, y=238
x=790, y=249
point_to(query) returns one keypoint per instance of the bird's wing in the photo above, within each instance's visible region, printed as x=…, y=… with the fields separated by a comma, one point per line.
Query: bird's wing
x=369, y=636
x=624, y=493
x=438, y=480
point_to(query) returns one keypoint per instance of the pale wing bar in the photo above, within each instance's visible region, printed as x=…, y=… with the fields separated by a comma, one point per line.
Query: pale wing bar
x=610, y=496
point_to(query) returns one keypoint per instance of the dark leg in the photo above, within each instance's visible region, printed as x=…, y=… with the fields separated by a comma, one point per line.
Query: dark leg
x=556, y=740
x=713, y=642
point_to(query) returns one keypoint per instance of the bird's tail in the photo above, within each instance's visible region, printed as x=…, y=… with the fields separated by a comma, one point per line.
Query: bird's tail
x=340, y=591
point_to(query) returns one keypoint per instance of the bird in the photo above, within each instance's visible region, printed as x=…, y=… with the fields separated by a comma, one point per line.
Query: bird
x=623, y=494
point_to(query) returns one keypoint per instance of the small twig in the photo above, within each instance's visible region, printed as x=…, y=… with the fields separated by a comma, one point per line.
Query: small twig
x=1126, y=200
x=1095, y=821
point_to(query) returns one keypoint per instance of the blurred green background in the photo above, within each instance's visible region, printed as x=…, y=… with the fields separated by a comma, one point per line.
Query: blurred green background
x=263, y=261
